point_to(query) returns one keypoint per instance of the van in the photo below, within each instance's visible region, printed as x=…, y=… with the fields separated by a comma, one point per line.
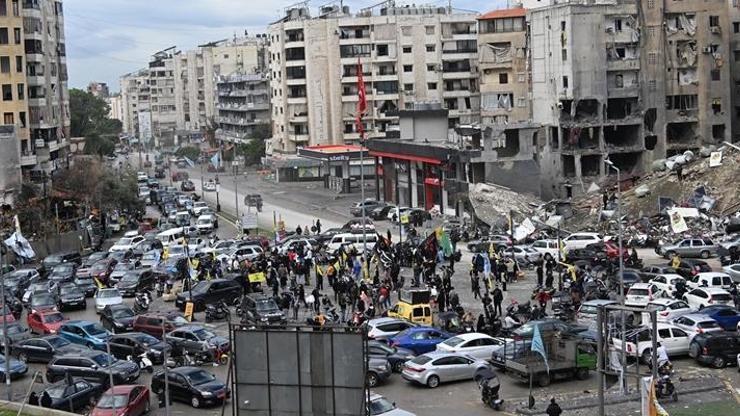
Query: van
x=170, y=236
x=354, y=239
x=418, y=314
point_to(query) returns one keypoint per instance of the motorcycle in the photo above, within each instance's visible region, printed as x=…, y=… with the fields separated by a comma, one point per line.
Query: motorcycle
x=144, y=363
x=664, y=387
x=218, y=311
x=489, y=388
x=186, y=359
x=142, y=302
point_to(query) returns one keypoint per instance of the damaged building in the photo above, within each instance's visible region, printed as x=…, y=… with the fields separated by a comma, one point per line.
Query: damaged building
x=625, y=80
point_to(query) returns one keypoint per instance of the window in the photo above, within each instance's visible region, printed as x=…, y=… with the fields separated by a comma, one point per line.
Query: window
x=736, y=27
x=562, y=25
x=431, y=67
x=431, y=48
x=407, y=49
x=3, y=35
x=503, y=78
x=22, y=118
x=651, y=4
x=713, y=21
x=429, y=30
x=408, y=68
x=8, y=118
x=565, y=82
x=717, y=105
x=652, y=57
x=408, y=87
x=564, y=55
x=21, y=91
x=718, y=131
x=5, y=64
x=7, y=92
x=521, y=102
x=17, y=35
x=431, y=86
x=18, y=64
x=715, y=74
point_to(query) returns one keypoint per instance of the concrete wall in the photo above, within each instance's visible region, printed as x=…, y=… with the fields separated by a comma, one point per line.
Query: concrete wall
x=521, y=176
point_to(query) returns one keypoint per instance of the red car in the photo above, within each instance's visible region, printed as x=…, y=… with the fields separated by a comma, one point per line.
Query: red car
x=612, y=250
x=45, y=322
x=128, y=400
x=102, y=269
x=6, y=314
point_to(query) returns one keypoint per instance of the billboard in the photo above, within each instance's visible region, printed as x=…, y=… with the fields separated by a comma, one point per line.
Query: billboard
x=298, y=371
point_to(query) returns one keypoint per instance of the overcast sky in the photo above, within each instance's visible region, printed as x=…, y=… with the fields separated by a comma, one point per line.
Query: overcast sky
x=108, y=38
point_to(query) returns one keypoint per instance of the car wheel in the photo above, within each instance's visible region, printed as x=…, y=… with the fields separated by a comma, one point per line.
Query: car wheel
x=195, y=402
x=647, y=356
x=433, y=381
x=694, y=350
x=704, y=254
x=718, y=362
x=398, y=366
x=372, y=379
x=23, y=357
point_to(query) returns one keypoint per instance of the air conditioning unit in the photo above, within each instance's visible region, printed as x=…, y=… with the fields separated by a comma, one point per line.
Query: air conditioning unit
x=707, y=49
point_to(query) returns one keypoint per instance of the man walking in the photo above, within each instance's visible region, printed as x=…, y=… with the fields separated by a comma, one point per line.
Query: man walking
x=498, y=299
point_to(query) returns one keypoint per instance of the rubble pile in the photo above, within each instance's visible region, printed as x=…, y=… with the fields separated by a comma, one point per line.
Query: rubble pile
x=494, y=203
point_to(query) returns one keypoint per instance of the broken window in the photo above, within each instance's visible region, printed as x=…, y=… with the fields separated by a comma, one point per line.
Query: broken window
x=581, y=138
x=626, y=162
x=569, y=166
x=622, y=136
x=717, y=105
x=618, y=108
x=511, y=147
x=684, y=133
x=590, y=165
x=718, y=131
x=682, y=102
x=715, y=74
x=554, y=137
x=713, y=21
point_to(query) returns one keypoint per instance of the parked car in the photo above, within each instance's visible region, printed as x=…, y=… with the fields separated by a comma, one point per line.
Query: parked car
x=17, y=281
x=433, y=368
x=93, y=258
x=649, y=273
x=383, y=328
x=588, y=310
x=126, y=400
x=117, y=318
x=56, y=259
x=640, y=294
x=368, y=205
x=100, y=270
x=126, y=243
x=548, y=248
x=43, y=301
x=206, y=224
x=717, y=349
x=726, y=316
x=395, y=356
x=262, y=310
x=133, y=344
x=107, y=296
x=378, y=370
x=380, y=406
x=483, y=245
x=476, y=345
x=688, y=247
x=581, y=240
x=71, y=297
x=72, y=397
x=696, y=323
x=86, y=285
x=120, y=270
x=666, y=309
x=208, y=292
x=526, y=331
x=89, y=334
x=159, y=323
x=734, y=271
x=192, y=385
x=420, y=339
x=187, y=186
x=194, y=338
x=701, y=297
x=45, y=321
x=44, y=349
x=136, y=281
x=95, y=366
x=380, y=213
x=666, y=283
x=640, y=344
x=690, y=267
x=62, y=273
x=16, y=368
x=210, y=186
x=14, y=332
x=711, y=279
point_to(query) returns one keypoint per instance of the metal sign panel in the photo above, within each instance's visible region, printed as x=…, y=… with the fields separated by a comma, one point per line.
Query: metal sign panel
x=299, y=371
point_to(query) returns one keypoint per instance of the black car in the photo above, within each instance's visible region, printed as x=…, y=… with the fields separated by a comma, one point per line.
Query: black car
x=689, y=268
x=717, y=349
x=86, y=285
x=210, y=291
x=395, y=356
x=62, y=273
x=132, y=344
x=630, y=277
x=93, y=258
x=42, y=301
x=44, y=349
x=135, y=281
x=96, y=366
x=117, y=318
x=648, y=273
x=17, y=281
x=74, y=397
x=381, y=213
x=195, y=338
x=58, y=258
x=262, y=310
x=187, y=186
x=15, y=333
x=192, y=385
x=71, y=297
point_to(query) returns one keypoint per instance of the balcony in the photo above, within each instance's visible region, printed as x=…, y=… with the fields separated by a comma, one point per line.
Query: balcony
x=37, y=102
x=53, y=145
x=297, y=62
x=626, y=91
x=297, y=100
x=29, y=160
x=457, y=93
x=298, y=119
x=623, y=65
x=295, y=81
x=298, y=138
x=458, y=75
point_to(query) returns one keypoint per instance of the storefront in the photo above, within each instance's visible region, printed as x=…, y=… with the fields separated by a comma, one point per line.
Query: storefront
x=340, y=166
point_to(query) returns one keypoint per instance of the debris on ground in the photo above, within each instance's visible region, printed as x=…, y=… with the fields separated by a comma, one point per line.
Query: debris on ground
x=494, y=203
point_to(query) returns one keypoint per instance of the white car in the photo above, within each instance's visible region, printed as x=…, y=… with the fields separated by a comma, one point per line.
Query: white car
x=522, y=253
x=294, y=243
x=126, y=244
x=473, y=344
x=219, y=247
x=581, y=240
x=206, y=224
x=640, y=294
x=198, y=207
x=384, y=328
x=640, y=344
x=666, y=283
x=105, y=297
x=240, y=254
x=705, y=296
x=734, y=271
x=696, y=323
x=548, y=248
x=666, y=309
x=588, y=310
x=380, y=406
x=711, y=279
x=209, y=186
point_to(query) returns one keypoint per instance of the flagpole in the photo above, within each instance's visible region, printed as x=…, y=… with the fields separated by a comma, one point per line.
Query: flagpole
x=361, y=104
x=6, y=340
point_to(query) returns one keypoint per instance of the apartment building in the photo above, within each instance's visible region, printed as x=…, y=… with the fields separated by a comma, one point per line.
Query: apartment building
x=135, y=100
x=409, y=55
x=115, y=102
x=98, y=89
x=734, y=33
x=628, y=81
x=243, y=104
x=162, y=97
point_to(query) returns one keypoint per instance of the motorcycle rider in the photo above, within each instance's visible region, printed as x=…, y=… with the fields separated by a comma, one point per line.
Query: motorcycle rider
x=662, y=356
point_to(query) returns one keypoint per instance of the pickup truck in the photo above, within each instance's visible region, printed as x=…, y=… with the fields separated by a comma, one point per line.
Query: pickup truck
x=567, y=358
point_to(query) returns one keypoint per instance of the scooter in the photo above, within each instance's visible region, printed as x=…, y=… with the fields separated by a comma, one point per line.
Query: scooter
x=144, y=363
x=142, y=302
x=217, y=312
x=664, y=388
x=489, y=388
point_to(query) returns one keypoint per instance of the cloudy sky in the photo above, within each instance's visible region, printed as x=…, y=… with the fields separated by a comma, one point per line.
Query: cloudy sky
x=108, y=38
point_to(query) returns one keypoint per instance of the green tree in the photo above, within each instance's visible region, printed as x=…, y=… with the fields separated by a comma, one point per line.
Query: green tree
x=189, y=152
x=254, y=150
x=99, y=146
x=89, y=115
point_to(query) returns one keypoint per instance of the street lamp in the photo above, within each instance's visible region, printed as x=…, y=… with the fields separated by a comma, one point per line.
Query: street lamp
x=218, y=188
x=611, y=164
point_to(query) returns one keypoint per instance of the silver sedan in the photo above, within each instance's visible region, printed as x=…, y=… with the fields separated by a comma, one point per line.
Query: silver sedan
x=433, y=368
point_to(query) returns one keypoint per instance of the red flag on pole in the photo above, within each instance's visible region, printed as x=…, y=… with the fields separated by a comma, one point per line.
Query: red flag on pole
x=362, y=104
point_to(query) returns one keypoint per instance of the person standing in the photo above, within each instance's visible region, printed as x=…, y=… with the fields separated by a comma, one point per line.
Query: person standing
x=539, y=272
x=475, y=284
x=605, y=199
x=318, y=226
x=498, y=299
x=553, y=409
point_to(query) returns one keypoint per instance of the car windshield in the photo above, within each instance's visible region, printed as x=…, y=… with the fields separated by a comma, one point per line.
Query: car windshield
x=42, y=299
x=707, y=324
x=104, y=360
x=421, y=360
x=204, y=221
x=94, y=329
x=123, y=267
x=130, y=277
x=264, y=305
x=453, y=342
x=176, y=250
x=122, y=313
x=638, y=292
x=146, y=340
x=56, y=392
x=196, y=378
x=52, y=318
x=203, y=334
x=65, y=290
x=722, y=297
x=62, y=268
x=58, y=342
x=84, y=282
x=380, y=406
x=110, y=401
x=178, y=320
x=109, y=293
x=656, y=307
x=124, y=241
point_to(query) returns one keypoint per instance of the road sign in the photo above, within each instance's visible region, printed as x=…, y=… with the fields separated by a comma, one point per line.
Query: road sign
x=189, y=311
x=249, y=221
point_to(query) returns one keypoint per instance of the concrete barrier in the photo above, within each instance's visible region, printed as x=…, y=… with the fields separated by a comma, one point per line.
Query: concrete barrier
x=32, y=410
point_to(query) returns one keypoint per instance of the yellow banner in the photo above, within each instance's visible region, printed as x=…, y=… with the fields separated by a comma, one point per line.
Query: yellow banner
x=405, y=219
x=189, y=311
x=256, y=277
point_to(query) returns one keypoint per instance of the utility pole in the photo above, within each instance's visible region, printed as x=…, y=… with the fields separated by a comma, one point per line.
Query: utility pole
x=110, y=374
x=166, y=381
x=6, y=340
x=236, y=189
x=611, y=164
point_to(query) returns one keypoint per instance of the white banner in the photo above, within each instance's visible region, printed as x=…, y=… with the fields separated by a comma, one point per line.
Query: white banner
x=677, y=222
x=249, y=221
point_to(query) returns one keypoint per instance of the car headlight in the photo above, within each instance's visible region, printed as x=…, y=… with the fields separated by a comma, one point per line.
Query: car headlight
x=52, y=331
x=264, y=319
x=206, y=394
x=118, y=324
